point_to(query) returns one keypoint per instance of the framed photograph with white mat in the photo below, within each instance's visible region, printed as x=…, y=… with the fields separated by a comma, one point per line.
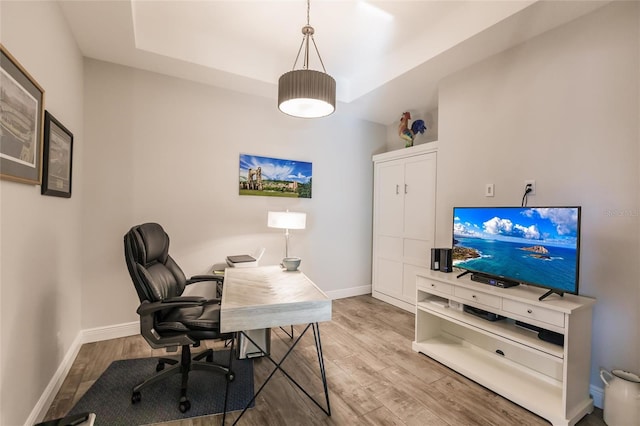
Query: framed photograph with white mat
x=21, y=112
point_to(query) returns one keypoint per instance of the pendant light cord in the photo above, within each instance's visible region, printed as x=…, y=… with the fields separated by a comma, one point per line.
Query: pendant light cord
x=307, y=32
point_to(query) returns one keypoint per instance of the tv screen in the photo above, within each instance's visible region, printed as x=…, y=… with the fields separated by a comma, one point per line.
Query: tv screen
x=530, y=245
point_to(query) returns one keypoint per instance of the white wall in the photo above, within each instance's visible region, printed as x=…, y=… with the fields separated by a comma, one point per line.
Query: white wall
x=40, y=277
x=148, y=147
x=561, y=109
x=167, y=150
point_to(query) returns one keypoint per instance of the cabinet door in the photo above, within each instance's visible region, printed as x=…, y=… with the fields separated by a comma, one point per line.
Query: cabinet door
x=420, y=197
x=389, y=277
x=389, y=198
x=409, y=278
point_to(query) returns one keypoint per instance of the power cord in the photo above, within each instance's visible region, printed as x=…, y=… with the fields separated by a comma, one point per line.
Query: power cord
x=527, y=190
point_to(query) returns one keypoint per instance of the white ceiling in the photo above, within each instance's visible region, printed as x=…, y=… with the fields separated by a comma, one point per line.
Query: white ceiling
x=386, y=56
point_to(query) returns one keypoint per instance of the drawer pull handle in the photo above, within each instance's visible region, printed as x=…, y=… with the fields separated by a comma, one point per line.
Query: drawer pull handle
x=433, y=285
x=474, y=296
x=499, y=352
x=529, y=311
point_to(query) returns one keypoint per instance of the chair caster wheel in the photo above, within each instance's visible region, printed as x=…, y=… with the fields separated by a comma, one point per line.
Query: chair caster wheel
x=230, y=376
x=160, y=366
x=209, y=358
x=135, y=397
x=184, y=406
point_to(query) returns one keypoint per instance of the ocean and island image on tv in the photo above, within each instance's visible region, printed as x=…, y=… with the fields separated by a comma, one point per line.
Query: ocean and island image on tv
x=529, y=245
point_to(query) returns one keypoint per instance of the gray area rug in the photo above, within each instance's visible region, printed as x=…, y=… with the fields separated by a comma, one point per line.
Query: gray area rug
x=110, y=396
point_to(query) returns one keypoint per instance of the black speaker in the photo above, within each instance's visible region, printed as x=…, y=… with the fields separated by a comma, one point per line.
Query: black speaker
x=435, y=259
x=446, y=264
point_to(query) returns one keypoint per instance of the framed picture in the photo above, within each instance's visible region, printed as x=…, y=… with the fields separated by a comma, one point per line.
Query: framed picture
x=57, y=159
x=21, y=117
x=274, y=177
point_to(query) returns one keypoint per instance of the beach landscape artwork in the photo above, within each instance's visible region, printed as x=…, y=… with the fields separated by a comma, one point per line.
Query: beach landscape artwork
x=529, y=244
x=274, y=177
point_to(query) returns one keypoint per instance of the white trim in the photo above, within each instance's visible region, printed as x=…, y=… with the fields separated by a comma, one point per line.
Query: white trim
x=99, y=334
x=47, y=397
x=409, y=307
x=129, y=329
x=84, y=336
x=348, y=292
x=423, y=148
x=597, y=393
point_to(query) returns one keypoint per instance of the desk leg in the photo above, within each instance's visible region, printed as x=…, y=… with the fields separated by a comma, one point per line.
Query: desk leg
x=278, y=366
x=226, y=392
x=290, y=334
x=316, y=337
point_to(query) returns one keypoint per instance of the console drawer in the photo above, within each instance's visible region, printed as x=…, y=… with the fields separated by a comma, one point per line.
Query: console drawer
x=479, y=297
x=434, y=286
x=534, y=312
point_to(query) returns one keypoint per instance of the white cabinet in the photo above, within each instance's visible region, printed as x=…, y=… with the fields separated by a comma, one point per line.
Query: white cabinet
x=404, y=221
x=548, y=379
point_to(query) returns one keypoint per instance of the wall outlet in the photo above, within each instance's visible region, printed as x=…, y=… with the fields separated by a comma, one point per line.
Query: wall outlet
x=489, y=190
x=533, y=186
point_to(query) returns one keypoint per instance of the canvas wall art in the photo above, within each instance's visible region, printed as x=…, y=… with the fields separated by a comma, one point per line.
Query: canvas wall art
x=274, y=177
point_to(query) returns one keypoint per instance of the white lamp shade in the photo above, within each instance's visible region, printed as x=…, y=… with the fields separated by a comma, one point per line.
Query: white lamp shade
x=287, y=220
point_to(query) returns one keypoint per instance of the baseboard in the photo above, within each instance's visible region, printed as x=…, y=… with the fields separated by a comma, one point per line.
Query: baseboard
x=84, y=336
x=129, y=329
x=113, y=332
x=99, y=334
x=597, y=393
x=43, y=404
x=348, y=292
x=409, y=307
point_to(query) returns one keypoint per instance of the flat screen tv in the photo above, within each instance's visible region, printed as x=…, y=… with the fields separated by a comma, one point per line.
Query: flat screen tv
x=538, y=246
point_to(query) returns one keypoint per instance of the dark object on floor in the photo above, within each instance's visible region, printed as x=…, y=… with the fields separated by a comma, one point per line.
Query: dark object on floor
x=82, y=419
x=110, y=396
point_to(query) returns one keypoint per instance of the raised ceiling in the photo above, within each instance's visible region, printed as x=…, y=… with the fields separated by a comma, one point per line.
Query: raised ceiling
x=386, y=56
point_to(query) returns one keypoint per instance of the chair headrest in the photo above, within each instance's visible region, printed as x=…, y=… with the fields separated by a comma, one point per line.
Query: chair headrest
x=153, y=243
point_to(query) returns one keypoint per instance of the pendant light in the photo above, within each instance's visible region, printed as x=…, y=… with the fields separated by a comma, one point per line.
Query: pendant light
x=307, y=93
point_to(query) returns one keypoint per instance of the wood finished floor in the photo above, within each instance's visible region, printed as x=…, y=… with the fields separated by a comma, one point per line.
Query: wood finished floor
x=374, y=378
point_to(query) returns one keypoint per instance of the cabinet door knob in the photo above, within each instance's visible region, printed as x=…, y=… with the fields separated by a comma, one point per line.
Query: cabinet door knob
x=474, y=296
x=529, y=311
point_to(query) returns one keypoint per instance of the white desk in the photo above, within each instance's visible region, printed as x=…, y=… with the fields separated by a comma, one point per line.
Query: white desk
x=267, y=296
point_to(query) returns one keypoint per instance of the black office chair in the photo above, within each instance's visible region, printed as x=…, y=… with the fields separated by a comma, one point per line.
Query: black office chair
x=174, y=311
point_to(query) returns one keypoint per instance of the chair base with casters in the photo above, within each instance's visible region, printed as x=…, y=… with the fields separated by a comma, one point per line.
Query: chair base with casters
x=183, y=365
x=175, y=312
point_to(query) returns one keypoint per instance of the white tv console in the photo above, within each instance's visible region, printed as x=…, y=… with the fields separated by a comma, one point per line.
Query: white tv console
x=547, y=379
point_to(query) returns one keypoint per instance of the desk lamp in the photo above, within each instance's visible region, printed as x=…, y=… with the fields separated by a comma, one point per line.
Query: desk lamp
x=287, y=220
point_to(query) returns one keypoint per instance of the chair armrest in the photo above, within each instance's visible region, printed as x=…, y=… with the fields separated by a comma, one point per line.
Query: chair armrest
x=200, y=278
x=147, y=308
x=216, y=278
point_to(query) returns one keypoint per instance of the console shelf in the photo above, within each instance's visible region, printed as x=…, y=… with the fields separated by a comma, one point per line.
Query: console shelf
x=503, y=329
x=547, y=379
